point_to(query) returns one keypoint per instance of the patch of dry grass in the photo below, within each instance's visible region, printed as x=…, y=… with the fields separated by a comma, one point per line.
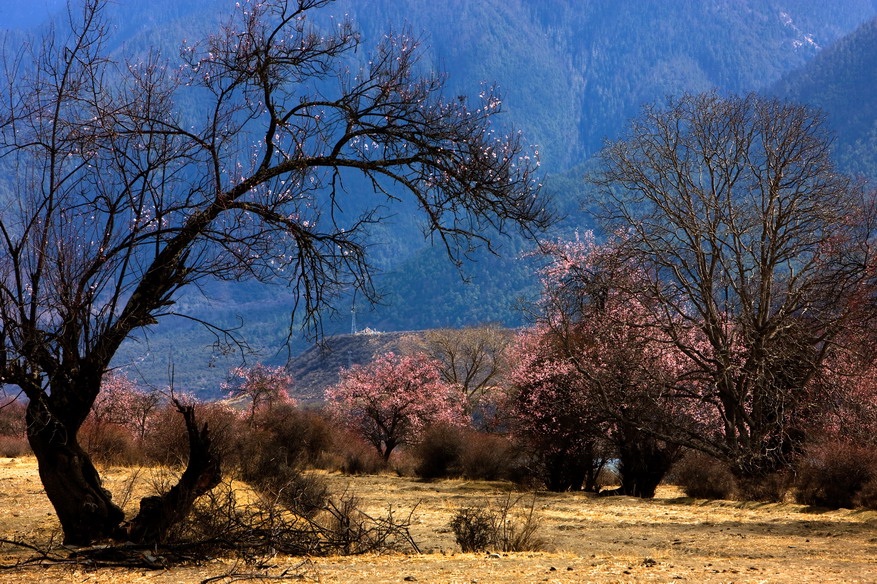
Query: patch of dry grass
x=599, y=540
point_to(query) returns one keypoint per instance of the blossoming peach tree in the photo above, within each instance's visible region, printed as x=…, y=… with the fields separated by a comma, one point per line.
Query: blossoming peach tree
x=390, y=401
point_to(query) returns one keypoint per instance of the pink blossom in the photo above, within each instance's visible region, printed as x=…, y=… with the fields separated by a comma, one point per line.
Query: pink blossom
x=391, y=400
x=261, y=385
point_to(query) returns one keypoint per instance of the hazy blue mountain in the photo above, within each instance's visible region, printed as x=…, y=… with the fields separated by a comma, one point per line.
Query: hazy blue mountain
x=842, y=81
x=572, y=73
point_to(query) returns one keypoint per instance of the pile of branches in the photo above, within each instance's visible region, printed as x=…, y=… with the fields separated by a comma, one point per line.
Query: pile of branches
x=257, y=531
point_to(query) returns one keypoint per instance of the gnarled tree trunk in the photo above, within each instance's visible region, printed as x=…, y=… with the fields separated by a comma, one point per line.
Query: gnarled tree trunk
x=73, y=485
x=85, y=509
x=643, y=461
x=159, y=513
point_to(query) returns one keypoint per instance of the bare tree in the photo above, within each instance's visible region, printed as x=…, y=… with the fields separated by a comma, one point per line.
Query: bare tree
x=472, y=358
x=750, y=246
x=129, y=181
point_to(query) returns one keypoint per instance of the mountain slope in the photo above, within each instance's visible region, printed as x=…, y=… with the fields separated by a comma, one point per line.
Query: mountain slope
x=572, y=72
x=842, y=81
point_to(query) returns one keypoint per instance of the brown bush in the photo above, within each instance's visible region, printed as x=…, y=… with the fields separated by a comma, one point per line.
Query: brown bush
x=13, y=436
x=439, y=451
x=13, y=446
x=866, y=498
x=355, y=456
x=770, y=488
x=110, y=444
x=702, y=477
x=491, y=457
x=220, y=524
x=503, y=526
x=474, y=528
x=305, y=435
x=12, y=418
x=303, y=493
x=167, y=442
x=451, y=451
x=836, y=474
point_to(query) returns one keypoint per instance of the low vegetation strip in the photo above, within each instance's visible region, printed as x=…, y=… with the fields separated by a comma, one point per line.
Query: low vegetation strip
x=586, y=538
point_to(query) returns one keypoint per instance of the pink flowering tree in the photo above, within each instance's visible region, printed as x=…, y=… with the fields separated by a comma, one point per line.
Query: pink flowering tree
x=596, y=369
x=751, y=248
x=843, y=404
x=261, y=385
x=548, y=407
x=391, y=400
x=123, y=403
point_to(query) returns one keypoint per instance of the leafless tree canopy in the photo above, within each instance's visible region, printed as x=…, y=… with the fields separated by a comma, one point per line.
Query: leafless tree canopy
x=127, y=181
x=473, y=358
x=751, y=248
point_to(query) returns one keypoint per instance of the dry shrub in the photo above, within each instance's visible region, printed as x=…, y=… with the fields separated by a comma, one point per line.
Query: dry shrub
x=258, y=529
x=474, y=528
x=13, y=438
x=110, y=444
x=770, y=488
x=303, y=493
x=167, y=441
x=837, y=474
x=357, y=457
x=440, y=451
x=12, y=417
x=504, y=526
x=703, y=477
x=403, y=462
x=13, y=446
x=866, y=498
x=271, y=471
x=305, y=435
x=490, y=457
x=450, y=451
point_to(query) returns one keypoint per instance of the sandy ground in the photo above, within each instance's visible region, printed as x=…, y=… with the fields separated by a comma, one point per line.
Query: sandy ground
x=588, y=539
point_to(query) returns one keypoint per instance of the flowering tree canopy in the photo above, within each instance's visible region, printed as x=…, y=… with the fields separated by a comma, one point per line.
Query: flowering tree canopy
x=122, y=402
x=594, y=370
x=391, y=400
x=262, y=385
x=751, y=248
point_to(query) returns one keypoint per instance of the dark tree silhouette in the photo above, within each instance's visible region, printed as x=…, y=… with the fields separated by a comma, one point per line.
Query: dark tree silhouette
x=116, y=197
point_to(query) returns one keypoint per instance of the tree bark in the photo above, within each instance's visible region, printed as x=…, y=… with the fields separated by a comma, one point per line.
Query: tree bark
x=85, y=509
x=643, y=461
x=203, y=472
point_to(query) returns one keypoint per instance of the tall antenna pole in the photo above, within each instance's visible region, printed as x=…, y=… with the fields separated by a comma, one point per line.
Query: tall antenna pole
x=353, y=330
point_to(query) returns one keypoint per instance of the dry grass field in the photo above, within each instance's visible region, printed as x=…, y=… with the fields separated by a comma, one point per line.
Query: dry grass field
x=587, y=539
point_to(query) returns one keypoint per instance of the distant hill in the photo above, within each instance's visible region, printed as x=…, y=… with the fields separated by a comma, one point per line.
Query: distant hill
x=317, y=368
x=574, y=71
x=842, y=81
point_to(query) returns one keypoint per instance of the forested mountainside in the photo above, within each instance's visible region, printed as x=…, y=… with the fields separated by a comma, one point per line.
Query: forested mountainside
x=842, y=81
x=572, y=72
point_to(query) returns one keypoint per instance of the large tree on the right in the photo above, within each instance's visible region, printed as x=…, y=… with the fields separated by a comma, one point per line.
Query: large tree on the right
x=753, y=251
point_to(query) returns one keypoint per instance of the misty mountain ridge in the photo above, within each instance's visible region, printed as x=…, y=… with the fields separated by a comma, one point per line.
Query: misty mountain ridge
x=572, y=74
